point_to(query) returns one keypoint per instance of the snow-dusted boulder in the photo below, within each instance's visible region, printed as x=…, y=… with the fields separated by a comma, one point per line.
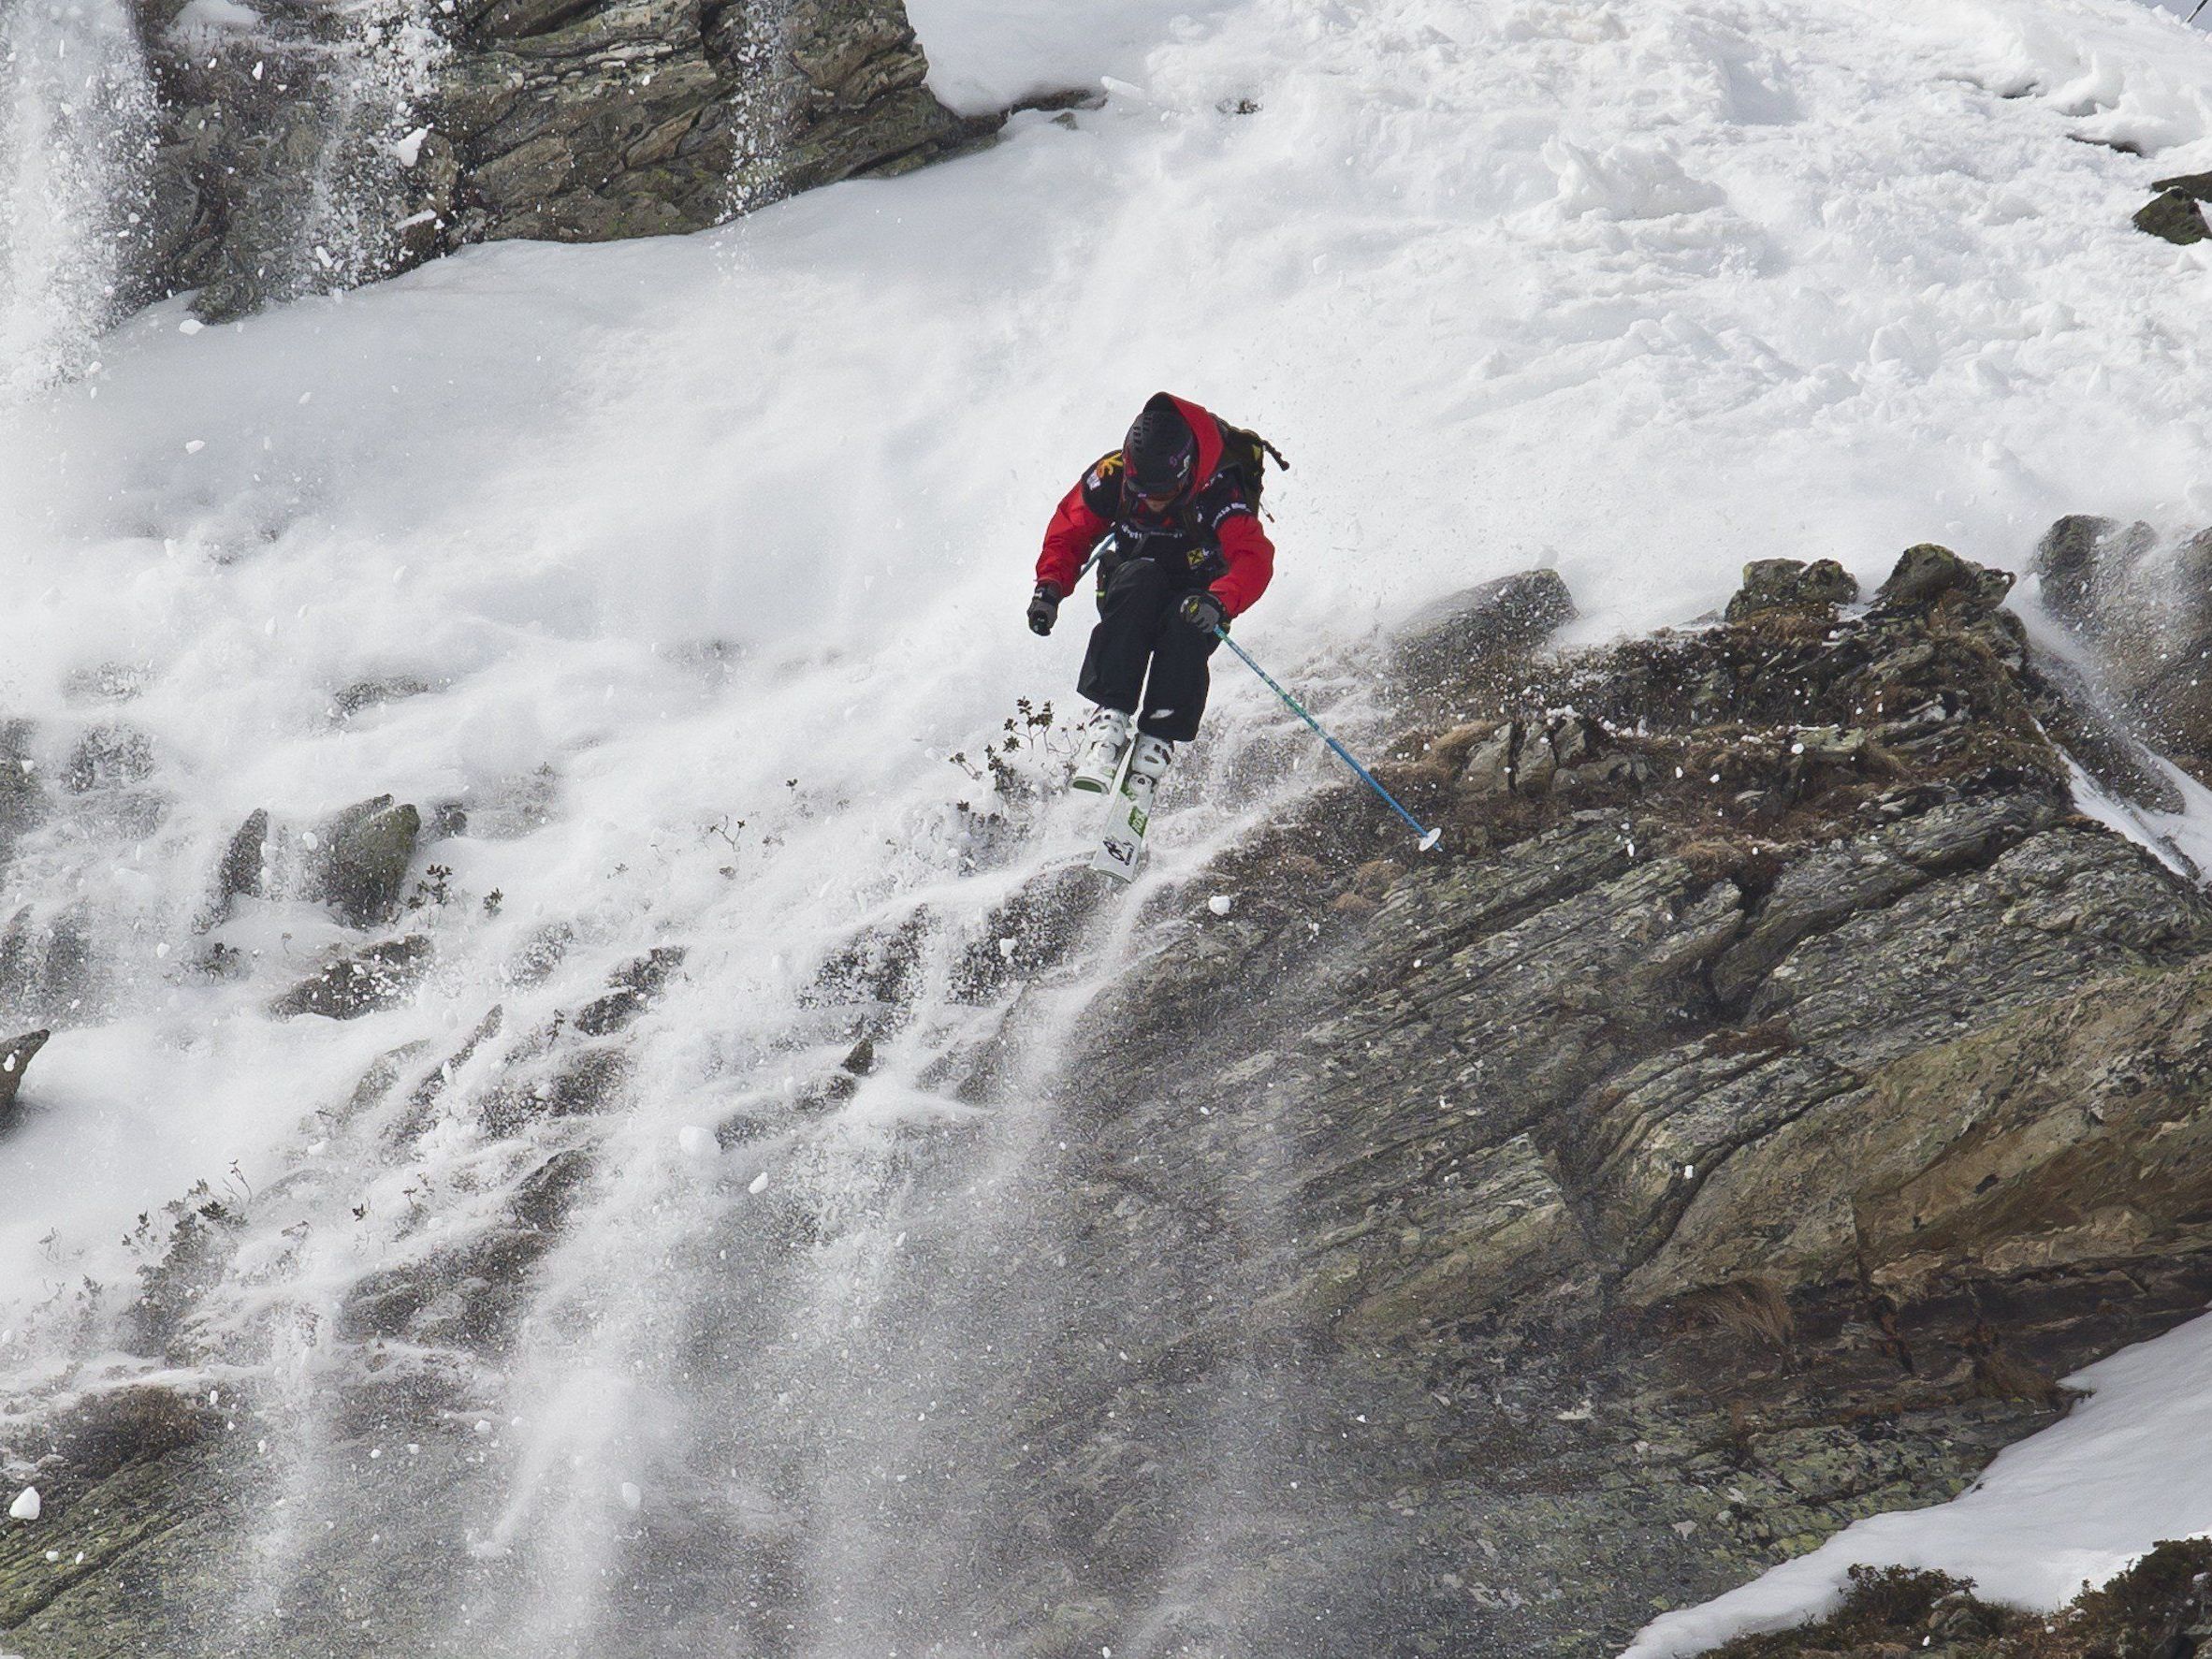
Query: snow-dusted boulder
x=1446, y=637
x=15, y=1059
x=2144, y=607
x=1770, y=584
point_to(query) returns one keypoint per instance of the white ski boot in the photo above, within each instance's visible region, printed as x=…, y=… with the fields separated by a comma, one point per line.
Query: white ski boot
x=1097, y=766
x=1147, y=767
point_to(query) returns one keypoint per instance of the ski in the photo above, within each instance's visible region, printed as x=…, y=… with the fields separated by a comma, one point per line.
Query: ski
x=1128, y=811
x=1129, y=814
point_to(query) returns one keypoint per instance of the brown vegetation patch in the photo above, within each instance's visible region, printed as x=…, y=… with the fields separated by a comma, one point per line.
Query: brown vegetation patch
x=2155, y=1609
x=1754, y=1308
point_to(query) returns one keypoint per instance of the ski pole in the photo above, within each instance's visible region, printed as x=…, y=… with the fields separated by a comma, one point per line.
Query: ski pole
x=1429, y=837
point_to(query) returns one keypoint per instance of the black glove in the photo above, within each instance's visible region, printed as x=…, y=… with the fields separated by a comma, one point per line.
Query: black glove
x=1044, y=609
x=1203, y=611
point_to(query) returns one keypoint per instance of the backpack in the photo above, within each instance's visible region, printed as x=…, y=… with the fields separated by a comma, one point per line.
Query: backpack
x=1243, y=456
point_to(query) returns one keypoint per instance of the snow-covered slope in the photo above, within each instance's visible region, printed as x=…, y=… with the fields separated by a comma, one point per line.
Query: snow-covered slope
x=710, y=551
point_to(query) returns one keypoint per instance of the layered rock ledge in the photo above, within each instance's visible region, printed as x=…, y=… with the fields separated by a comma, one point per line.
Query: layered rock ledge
x=303, y=146
x=1773, y=1088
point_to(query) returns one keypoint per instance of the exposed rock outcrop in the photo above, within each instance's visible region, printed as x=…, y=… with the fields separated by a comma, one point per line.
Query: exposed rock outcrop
x=1772, y=584
x=355, y=860
x=305, y=146
x=1515, y=613
x=1693, y=1161
x=2144, y=611
x=2173, y=214
x=355, y=983
x=22, y=804
x=15, y=1059
x=1771, y=1089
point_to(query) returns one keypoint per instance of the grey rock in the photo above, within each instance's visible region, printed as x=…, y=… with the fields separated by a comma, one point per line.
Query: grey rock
x=2174, y=216
x=1511, y=615
x=280, y=168
x=361, y=982
x=15, y=1059
x=1588, y=1217
x=369, y=846
x=2196, y=186
x=244, y=871
x=110, y=756
x=2145, y=612
x=48, y=973
x=1928, y=572
x=634, y=988
x=2081, y=560
x=1490, y=765
x=22, y=804
x=362, y=695
x=1771, y=583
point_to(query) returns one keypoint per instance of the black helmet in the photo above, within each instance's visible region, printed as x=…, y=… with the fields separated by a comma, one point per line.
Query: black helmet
x=1161, y=451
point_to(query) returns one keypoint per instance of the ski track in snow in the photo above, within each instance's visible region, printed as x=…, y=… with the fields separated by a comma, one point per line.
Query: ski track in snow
x=738, y=527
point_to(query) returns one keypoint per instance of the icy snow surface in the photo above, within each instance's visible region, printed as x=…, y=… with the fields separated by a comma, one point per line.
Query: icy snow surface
x=708, y=552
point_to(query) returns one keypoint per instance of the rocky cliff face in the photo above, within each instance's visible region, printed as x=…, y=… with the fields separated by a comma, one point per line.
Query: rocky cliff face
x=1772, y=1087
x=305, y=146
x=1779, y=1085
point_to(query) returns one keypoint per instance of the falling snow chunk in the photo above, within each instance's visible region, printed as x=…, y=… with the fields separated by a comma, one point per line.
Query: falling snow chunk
x=696, y=1141
x=633, y=1497
x=760, y=1182
x=190, y=326
x=409, y=150
x=194, y=445
x=1220, y=904
x=26, y=1505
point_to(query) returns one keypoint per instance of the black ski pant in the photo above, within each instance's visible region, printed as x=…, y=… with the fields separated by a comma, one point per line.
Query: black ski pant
x=1138, y=627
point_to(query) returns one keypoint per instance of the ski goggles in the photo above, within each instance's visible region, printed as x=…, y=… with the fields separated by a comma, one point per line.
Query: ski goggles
x=1158, y=493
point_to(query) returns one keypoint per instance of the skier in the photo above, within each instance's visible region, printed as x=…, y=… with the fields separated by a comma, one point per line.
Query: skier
x=1173, y=518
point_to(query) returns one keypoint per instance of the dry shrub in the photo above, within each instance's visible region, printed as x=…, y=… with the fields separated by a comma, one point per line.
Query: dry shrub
x=2143, y=1613
x=1769, y=1036
x=1999, y=1375
x=1885, y=1609
x=1452, y=750
x=2140, y=1610
x=1754, y=1308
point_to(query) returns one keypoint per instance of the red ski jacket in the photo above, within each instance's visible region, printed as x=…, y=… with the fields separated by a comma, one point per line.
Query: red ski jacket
x=1211, y=530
